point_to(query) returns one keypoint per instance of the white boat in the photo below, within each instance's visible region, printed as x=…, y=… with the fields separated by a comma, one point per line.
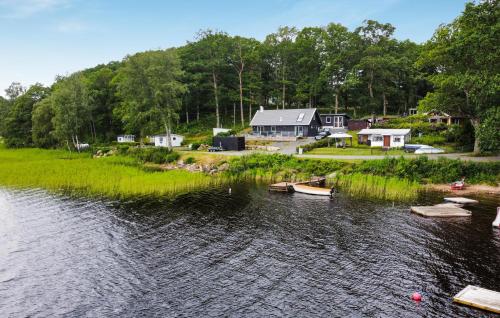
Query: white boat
x=312, y=190
x=428, y=149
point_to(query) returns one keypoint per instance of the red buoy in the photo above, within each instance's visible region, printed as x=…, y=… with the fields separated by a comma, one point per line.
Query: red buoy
x=416, y=296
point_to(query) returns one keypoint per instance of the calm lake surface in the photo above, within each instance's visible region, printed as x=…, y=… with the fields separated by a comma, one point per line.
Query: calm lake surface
x=250, y=254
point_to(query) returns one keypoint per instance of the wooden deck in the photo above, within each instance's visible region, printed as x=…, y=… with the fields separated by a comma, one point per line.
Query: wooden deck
x=461, y=200
x=480, y=298
x=440, y=211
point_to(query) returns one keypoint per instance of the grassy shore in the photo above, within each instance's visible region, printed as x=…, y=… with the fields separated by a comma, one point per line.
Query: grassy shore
x=126, y=176
x=118, y=176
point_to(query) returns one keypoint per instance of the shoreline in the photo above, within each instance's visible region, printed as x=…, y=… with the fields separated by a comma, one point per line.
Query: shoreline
x=469, y=189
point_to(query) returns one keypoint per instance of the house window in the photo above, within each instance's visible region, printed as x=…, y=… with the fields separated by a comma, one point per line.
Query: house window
x=377, y=138
x=173, y=138
x=397, y=139
x=301, y=116
x=328, y=120
x=161, y=140
x=273, y=129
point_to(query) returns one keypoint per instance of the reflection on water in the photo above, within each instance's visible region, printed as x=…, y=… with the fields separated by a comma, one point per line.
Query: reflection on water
x=249, y=253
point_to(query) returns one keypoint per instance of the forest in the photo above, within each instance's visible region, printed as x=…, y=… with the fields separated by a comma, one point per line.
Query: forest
x=222, y=79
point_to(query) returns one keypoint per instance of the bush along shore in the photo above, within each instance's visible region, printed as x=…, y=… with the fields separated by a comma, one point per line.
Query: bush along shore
x=131, y=172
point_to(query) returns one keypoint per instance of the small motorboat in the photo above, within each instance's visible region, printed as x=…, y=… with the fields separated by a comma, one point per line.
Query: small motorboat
x=313, y=190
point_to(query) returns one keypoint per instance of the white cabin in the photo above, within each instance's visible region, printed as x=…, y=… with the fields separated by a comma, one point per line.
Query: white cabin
x=161, y=140
x=387, y=138
x=125, y=138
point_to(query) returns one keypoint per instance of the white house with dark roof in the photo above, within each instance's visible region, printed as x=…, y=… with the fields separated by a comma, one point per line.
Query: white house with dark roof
x=286, y=122
x=387, y=138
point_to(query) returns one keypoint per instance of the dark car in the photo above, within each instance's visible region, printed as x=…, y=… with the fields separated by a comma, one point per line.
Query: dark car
x=322, y=135
x=215, y=149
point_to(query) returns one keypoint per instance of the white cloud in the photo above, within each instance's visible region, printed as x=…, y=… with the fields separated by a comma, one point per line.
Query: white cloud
x=71, y=27
x=27, y=8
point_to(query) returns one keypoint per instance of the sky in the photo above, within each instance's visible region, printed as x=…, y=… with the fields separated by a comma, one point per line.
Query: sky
x=40, y=39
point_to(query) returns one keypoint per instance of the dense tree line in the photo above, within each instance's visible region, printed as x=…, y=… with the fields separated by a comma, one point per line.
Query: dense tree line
x=226, y=78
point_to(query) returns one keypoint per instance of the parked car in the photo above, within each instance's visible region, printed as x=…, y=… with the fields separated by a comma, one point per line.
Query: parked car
x=215, y=149
x=428, y=149
x=322, y=135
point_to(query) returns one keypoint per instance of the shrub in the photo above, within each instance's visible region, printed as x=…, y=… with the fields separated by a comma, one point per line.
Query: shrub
x=155, y=155
x=489, y=132
x=423, y=169
x=429, y=140
x=190, y=160
x=318, y=144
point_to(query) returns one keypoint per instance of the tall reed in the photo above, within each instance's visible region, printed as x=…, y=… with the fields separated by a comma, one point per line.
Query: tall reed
x=377, y=187
x=111, y=176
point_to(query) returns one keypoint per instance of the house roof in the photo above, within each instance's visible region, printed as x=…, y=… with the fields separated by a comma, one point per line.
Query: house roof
x=392, y=132
x=342, y=114
x=283, y=117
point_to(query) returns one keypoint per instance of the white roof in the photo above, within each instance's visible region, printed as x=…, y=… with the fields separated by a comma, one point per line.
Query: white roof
x=392, y=132
x=340, y=135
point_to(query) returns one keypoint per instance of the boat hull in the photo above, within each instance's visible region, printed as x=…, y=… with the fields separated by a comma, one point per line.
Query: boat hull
x=312, y=190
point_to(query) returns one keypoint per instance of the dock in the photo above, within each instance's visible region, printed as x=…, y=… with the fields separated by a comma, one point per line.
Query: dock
x=440, y=211
x=479, y=298
x=461, y=200
x=282, y=187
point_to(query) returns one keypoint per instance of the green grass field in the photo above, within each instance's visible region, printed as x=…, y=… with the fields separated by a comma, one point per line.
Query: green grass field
x=59, y=170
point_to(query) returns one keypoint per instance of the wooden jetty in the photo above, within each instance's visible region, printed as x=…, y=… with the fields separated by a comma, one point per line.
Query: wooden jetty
x=480, y=298
x=461, y=200
x=282, y=187
x=440, y=211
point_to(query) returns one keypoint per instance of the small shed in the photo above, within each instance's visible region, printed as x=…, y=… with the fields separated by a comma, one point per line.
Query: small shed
x=125, y=138
x=358, y=124
x=161, y=140
x=334, y=121
x=387, y=138
x=233, y=143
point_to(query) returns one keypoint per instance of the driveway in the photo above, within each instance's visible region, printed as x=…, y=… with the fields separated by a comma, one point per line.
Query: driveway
x=290, y=147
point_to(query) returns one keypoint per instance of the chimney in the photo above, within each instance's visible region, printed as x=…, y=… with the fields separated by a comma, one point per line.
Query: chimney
x=261, y=109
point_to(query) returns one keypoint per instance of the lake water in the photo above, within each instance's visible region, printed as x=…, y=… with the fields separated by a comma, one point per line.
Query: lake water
x=248, y=254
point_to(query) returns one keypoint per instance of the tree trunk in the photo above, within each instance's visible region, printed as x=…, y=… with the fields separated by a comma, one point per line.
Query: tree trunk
x=250, y=108
x=337, y=102
x=234, y=115
x=167, y=132
x=283, y=88
x=197, y=112
x=475, y=123
x=240, y=74
x=214, y=77
x=385, y=103
x=187, y=116
x=370, y=84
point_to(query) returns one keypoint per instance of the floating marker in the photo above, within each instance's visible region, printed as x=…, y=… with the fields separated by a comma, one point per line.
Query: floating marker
x=416, y=296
